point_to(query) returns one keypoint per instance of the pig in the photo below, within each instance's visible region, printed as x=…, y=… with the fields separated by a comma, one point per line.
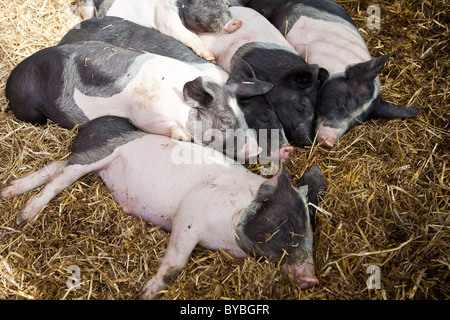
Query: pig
x=272, y=58
x=323, y=33
x=258, y=110
x=213, y=202
x=73, y=83
x=173, y=18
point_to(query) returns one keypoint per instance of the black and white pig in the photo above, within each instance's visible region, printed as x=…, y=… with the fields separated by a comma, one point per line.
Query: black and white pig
x=173, y=17
x=260, y=45
x=201, y=196
x=73, y=83
x=323, y=33
x=257, y=108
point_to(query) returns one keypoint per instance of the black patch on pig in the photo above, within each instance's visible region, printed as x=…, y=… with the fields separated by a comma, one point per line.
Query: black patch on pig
x=276, y=224
x=43, y=85
x=258, y=110
x=317, y=186
x=100, y=66
x=295, y=90
x=34, y=89
x=203, y=16
x=99, y=138
x=129, y=35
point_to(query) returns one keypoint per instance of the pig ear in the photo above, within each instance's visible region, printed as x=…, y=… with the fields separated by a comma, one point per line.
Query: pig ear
x=391, y=110
x=316, y=184
x=196, y=94
x=243, y=81
x=240, y=70
x=303, y=191
x=367, y=70
x=250, y=88
x=303, y=76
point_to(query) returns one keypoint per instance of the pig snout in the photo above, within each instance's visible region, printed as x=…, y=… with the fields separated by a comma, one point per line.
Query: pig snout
x=327, y=136
x=232, y=25
x=303, y=273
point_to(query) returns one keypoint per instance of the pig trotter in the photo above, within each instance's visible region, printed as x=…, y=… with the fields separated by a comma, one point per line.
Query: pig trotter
x=31, y=210
x=152, y=289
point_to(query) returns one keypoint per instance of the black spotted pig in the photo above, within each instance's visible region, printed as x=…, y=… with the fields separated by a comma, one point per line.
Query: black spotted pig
x=257, y=108
x=73, y=83
x=215, y=203
x=173, y=18
x=272, y=58
x=322, y=33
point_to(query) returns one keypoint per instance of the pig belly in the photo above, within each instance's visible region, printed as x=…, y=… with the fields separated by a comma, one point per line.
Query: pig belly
x=331, y=45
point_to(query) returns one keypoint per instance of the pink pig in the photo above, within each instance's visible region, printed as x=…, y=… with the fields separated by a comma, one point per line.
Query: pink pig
x=214, y=202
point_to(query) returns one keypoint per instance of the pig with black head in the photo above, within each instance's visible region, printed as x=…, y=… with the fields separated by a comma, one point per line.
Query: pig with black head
x=260, y=46
x=323, y=33
x=235, y=210
x=76, y=82
x=258, y=109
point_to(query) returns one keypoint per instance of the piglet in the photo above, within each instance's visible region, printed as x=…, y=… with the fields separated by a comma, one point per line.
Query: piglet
x=73, y=83
x=260, y=45
x=323, y=33
x=199, y=195
x=173, y=18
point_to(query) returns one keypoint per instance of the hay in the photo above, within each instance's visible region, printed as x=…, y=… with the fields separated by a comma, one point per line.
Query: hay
x=388, y=188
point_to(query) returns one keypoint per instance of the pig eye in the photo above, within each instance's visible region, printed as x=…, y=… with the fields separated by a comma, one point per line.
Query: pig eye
x=265, y=117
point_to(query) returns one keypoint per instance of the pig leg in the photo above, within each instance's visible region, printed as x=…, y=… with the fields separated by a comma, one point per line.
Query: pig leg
x=182, y=241
x=34, y=180
x=58, y=182
x=171, y=25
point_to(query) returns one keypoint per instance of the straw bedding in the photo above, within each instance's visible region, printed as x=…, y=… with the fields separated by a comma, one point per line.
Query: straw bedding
x=387, y=202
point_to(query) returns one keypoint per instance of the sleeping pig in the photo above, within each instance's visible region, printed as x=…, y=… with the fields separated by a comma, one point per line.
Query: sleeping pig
x=173, y=18
x=73, y=83
x=260, y=46
x=257, y=108
x=322, y=33
x=197, y=193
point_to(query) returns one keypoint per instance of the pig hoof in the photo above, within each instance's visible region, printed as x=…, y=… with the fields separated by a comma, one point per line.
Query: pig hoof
x=206, y=54
x=8, y=191
x=149, y=292
x=31, y=210
x=3, y=194
x=21, y=220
